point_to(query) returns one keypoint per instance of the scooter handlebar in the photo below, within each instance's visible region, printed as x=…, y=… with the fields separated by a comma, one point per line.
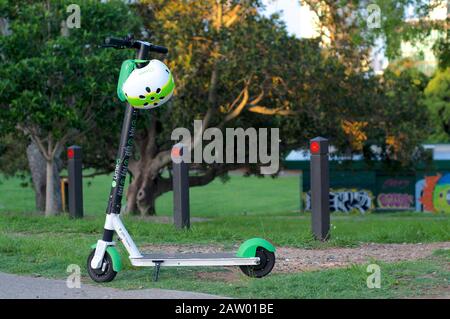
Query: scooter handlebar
x=118, y=43
x=158, y=49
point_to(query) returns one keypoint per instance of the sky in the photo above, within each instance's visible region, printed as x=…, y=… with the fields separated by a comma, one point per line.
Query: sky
x=301, y=22
x=299, y=19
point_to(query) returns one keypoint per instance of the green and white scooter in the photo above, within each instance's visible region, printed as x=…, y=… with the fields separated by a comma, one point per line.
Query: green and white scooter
x=145, y=84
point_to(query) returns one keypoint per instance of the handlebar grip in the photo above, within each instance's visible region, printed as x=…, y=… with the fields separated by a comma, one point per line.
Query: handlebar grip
x=117, y=42
x=158, y=48
x=124, y=43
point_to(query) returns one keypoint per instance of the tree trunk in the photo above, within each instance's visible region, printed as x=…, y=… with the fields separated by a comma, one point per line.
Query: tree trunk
x=51, y=208
x=140, y=200
x=146, y=186
x=38, y=169
x=147, y=193
x=132, y=191
x=141, y=195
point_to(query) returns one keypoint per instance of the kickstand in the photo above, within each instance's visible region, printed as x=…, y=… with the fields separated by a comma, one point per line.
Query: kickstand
x=156, y=271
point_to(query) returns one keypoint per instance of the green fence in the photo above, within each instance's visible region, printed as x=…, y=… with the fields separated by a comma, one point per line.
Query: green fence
x=356, y=183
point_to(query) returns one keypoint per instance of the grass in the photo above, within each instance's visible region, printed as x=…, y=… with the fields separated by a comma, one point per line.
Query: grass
x=241, y=195
x=283, y=231
x=405, y=279
x=32, y=244
x=49, y=256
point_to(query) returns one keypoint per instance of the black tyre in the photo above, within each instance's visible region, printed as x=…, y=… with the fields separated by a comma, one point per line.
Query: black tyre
x=105, y=273
x=265, y=266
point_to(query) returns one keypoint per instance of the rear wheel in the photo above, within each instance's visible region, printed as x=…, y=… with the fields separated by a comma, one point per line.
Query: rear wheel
x=105, y=273
x=265, y=266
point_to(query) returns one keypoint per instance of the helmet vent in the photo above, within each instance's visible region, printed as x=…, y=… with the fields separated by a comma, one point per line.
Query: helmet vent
x=158, y=90
x=161, y=97
x=148, y=89
x=167, y=71
x=155, y=104
x=141, y=97
x=146, y=103
x=152, y=98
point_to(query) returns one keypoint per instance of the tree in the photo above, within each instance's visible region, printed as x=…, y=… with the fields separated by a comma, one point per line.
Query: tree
x=350, y=30
x=437, y=100
x=54, y=78
x=235, y=67
x=403, y=122
x=226, y=58
x=442, y=51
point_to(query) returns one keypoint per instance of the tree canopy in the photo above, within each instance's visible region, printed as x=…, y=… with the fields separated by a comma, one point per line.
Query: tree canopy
x=437, y=99
x=233, y=67
x=56, y=83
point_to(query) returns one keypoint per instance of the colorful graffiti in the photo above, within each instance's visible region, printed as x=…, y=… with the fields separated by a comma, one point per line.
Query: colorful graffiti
x=393, y=182
x=419, y=192
x=395, y=201
x=395, y=193
x=347, y=200
x=435, y=192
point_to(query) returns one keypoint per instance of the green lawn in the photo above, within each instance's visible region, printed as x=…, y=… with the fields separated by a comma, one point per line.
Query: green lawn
x=47, y=251
x=240, y=195
x=237, y=210
x=398, y=280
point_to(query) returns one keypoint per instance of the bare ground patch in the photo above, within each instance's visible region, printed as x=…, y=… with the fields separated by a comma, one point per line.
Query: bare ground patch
x=295, y=259
x=436, y=293
x=290, y=259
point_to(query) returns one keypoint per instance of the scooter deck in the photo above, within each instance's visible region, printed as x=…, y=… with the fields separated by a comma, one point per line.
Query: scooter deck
x=193, y=259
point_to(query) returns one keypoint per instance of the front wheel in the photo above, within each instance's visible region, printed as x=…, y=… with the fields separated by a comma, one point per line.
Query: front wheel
x=265, y=266
x=105, y=273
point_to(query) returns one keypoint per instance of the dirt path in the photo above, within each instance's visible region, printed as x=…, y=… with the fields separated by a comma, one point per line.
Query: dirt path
x=294, y=259
x=436, y=293
x=291, y=259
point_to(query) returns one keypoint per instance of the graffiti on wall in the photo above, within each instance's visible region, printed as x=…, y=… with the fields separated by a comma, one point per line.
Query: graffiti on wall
x=395, y=201
x=347, y=200
x=395, y=193
x=397, y=183
x=419, y=192
x=435, y=193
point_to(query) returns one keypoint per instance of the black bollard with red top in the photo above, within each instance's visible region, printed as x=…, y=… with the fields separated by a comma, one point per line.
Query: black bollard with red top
x=180, y=169
x=74, y=163
x=320, y=188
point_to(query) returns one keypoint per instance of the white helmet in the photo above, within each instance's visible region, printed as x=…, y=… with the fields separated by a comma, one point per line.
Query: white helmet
x=150, y=86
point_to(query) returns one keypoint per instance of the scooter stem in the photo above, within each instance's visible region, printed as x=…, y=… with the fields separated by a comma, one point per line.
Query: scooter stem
x=123, y=156
x=124, y=152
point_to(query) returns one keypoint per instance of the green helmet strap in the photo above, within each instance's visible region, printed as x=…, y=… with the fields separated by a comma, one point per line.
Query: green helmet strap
x=127, y=67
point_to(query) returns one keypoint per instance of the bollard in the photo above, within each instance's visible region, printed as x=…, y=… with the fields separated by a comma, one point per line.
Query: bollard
x=65, y=194
x=75, y=181
x=320, y=185
x=301, y=191
x=181, y=214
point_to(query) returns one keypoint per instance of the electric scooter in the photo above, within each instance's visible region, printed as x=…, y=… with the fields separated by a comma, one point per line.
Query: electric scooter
x=255, y=257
